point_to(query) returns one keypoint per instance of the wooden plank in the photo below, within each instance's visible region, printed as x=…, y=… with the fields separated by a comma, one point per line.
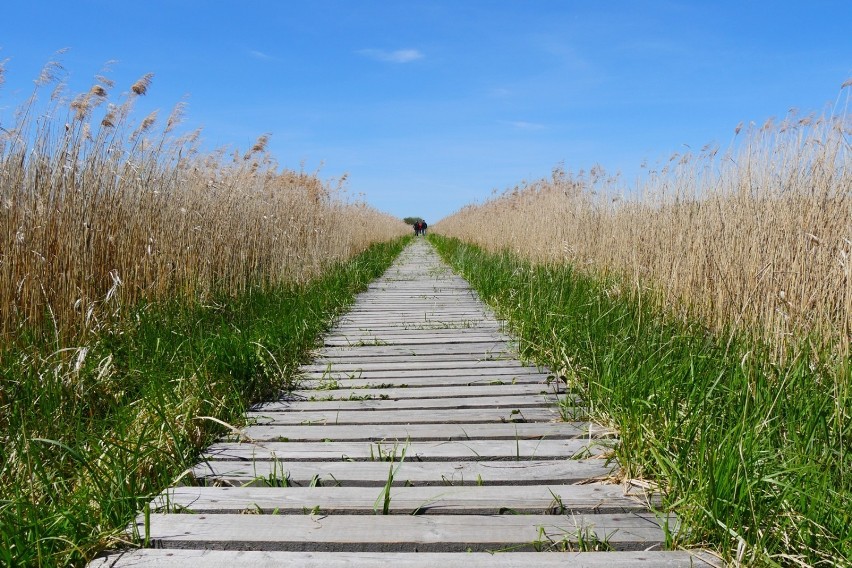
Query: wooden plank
x=505, y=374
x=421, y=359
x=461, y=346
x=436, y=341
x=446, y=306
x=474, y=500
x=407, y=473
x=422, y=314
x=395, y=331
x=421, y=533
x=425, y=392
x=493, y=348
x=519, y=401
x=408, y=326
x=351, y=452
x=397, y=327
x=173, y=558
x=359, y=338
x=460, y=450
x=447, y=303
x=269, y=473
x=419, y=322
x=419, y=432
x=486, y=365
x=461, y=416
x=378, y=381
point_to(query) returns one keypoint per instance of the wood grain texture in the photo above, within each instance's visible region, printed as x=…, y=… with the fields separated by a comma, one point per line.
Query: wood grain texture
x=172, y=558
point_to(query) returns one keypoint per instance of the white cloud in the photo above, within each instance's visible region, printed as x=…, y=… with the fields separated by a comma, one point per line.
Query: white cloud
x=500, y=92
x=260, y=55
x=398, y=56
x=524, y=125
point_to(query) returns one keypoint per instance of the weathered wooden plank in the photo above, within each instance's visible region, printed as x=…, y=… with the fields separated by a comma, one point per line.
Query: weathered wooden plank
x=446, y=347
x=473, y=500
x=445, y=304
x=421, y=533
x=352, y=340
x=436, y=342
x=497, y=374
x=493, y=348
x=266, y=473
x=419, y=432
x=419, y=324
x=458, y=450
x=461, y=416
x=398, y=327
x=351, y=452
x=337, y=382
x=421, y=359
x=418, y=315
x=483, y=364
x=494, y=328
x=423, y=392
x=516, y=401
x=172, y=558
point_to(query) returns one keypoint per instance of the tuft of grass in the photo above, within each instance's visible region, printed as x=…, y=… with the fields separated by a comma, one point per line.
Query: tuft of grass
x=750, y=450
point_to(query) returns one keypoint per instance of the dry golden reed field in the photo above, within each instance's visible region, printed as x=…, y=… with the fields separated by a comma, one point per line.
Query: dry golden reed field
x=758, y=236
x=98, y=209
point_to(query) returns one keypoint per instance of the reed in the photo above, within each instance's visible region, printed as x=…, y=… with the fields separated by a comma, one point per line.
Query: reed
x=150, y=291
x=754, y=238
x=705, y=314
x=99, y=212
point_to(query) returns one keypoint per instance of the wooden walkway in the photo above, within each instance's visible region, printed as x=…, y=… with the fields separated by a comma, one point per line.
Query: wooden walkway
x=417, y=439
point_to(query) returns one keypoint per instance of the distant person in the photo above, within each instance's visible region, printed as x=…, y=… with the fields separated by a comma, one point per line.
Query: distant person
x=417, y=226
x=423, y=226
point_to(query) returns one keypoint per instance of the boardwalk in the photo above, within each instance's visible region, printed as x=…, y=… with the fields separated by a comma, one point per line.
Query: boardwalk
x=416, y=439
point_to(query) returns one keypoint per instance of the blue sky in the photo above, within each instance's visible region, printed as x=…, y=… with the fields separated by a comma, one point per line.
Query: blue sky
x=430, y=105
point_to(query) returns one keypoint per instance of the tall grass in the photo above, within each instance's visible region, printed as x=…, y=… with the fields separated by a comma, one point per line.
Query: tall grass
x=752, y=455
x=756, y=237
x=706, y=312
x=98, y=210
x=89, y=434
x=149, y=292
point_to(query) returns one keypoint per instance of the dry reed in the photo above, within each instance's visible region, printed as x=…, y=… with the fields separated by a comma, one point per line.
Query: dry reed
x=758, y=237
x=97, y=212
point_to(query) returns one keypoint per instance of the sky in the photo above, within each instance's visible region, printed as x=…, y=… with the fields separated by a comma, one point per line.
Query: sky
x=428, y=106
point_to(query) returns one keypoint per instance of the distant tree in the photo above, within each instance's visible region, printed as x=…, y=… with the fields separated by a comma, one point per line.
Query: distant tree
x=412, y=220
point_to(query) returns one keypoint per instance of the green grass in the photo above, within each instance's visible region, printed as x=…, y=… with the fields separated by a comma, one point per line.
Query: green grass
x=89, y=434
x=753, y=454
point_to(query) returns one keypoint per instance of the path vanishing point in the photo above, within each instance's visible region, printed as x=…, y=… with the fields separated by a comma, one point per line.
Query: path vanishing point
x=416, y=439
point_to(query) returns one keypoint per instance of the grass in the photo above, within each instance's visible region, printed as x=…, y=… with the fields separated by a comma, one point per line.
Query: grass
x=752, y=451
x=90, y=434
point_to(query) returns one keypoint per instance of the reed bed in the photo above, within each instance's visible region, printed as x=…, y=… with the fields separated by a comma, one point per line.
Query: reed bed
x=97, y=209
x=149, y=292
x=757, y=237
x=705, y=314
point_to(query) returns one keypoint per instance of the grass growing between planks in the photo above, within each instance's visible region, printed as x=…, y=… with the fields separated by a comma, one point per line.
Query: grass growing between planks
x=753, y=455
x=91, y=433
